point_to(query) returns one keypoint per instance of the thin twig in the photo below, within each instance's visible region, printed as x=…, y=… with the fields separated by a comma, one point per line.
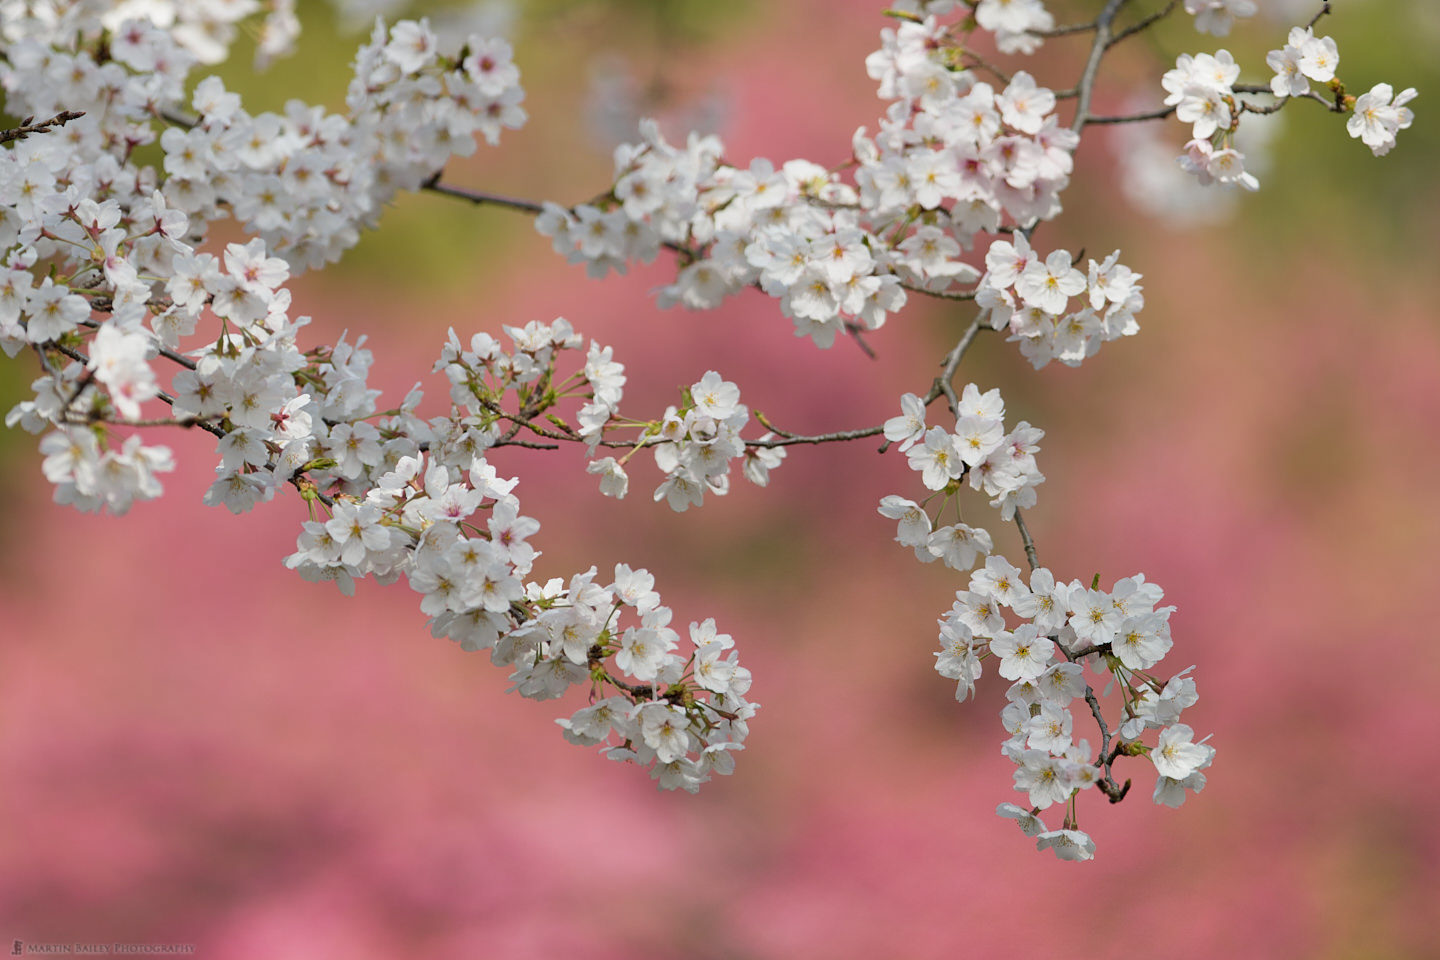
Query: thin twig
x=1064, y=30
x=938, y=294
x=528, y=444
x=790, y=439
x=950, y=364
x=981, y=62
x=27, y=126
x=857, y=333
x=1160, y=114
x=1144, y=24
x=480, y=197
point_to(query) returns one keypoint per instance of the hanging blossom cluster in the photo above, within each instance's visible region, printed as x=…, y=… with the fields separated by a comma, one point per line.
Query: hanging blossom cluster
x=452, y=527
x=978, y=448
x=106, y=276
x=1119, y=635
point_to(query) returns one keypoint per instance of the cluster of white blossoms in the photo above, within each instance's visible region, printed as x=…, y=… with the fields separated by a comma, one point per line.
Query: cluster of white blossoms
x=307, y=181
x=1379, y=115
x=966, y=154
x=1121, y=634
x=204, y=29
x=1203, y=91
x=107, y=277
x=1065, y=629
x=1030, y=298
x=953, y=157
x=694, y=446
x=999, y=464
x=97, y=246
x=734, y=229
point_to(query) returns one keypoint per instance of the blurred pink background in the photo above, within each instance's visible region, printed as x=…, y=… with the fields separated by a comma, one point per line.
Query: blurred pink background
x=198, y=747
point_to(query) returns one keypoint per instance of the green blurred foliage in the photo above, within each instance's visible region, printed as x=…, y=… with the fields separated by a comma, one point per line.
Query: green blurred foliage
x=1325, y=191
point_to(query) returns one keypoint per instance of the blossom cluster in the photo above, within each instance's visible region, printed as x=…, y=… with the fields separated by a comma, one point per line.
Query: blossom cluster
x=1000, y=464
x=1202, y=90
x=950, y=137
x=952, y=158
x=1119, y=634
x=694, y=446
x=307, y=181
x=1376, y=117
x=1030, y=298
x=734, y=229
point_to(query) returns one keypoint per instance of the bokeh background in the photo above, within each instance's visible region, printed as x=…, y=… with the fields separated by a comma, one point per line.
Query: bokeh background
x=196, y=746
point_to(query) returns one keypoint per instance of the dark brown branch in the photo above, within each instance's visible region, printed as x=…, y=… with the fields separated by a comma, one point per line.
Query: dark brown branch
x=28, y=126
x=480, y=197
x=938, y=294
x=790, y=439
x=1160, y=114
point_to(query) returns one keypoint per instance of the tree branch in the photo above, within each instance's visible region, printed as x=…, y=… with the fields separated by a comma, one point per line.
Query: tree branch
x=1086, y=86
x=28, y=126
x=480, y=197
x=950, y=364
x=1030, y=554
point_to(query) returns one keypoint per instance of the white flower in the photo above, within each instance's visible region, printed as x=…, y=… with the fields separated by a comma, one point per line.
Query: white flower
x=1067, y=844
x=1051, y=284
x=1175, y=756
x=938, y=460
x=613, y=480
x=1377, y=119
x=1024, y=655
x=909, y=427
